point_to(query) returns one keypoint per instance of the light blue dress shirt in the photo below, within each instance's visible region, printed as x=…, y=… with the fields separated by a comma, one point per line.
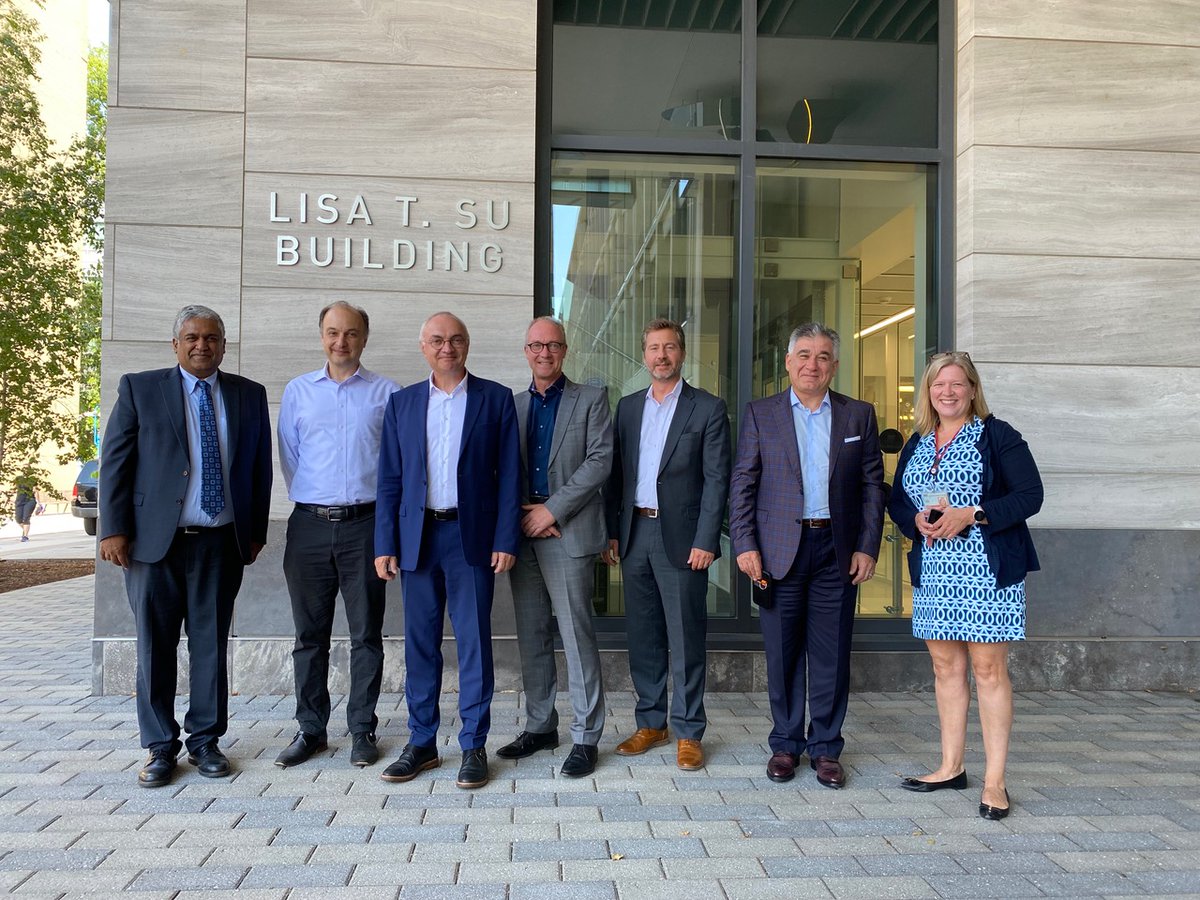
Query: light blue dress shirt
x=329, y=435
x=812, y=439
x=443, y=441
x=656, y=421
x=192, y=514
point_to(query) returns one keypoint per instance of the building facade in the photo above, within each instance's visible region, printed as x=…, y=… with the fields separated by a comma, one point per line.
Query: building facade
x=1003, y=177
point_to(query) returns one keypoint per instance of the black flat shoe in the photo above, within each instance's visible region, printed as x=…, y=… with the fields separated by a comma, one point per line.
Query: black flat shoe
x=157, y=771
x=580, y=761
x=995, y=813
x=529, y=743
x=302, y=747
x=210, y=761
x=473, y=773
x=916, y=785
x=364, y=750
x=413, y=761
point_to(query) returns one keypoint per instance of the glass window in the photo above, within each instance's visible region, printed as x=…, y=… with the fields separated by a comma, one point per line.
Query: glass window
x=647, y=69
x=848, y=72
x=634, y=238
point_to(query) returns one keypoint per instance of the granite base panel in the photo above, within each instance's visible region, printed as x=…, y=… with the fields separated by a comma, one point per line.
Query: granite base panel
x=263, y=666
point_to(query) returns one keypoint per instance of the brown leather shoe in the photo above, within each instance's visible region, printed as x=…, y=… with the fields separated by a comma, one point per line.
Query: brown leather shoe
x=829, y=771
x=642, y=740
x=689, y=755
x=782, y=766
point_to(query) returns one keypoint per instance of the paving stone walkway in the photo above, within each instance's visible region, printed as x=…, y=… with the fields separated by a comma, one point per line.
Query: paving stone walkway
x=1106, y=792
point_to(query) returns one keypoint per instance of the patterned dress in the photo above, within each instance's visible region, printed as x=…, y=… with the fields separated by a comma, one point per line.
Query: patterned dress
x=958, y=599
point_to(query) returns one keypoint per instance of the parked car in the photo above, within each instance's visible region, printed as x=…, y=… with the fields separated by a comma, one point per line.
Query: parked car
x=85, y=494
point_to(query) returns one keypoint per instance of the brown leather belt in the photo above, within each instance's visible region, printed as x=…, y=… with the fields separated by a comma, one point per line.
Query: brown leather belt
x=816, y=523
x=645, y=513
x=442, y=515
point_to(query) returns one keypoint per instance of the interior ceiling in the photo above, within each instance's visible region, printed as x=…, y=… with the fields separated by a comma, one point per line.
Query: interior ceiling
x=910, y=21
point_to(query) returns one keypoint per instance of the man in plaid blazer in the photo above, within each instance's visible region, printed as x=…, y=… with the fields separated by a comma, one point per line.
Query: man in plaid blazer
x=806, y=514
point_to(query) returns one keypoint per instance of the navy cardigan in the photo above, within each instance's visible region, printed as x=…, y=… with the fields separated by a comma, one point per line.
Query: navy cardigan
x=1012, y=492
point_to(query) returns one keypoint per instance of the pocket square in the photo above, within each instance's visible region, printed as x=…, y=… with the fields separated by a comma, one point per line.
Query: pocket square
x=851, y=440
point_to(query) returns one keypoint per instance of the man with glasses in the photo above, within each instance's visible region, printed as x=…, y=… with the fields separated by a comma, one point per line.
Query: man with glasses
x=566, y=455
x=448, y=521
x=666, y=504
x=806, y=513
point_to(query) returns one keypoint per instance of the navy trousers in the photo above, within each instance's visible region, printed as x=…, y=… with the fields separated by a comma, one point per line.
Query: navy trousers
x=443, y=580
x=806, y=639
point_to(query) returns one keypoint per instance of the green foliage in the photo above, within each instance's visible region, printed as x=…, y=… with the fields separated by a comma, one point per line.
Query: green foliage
x=49, y=203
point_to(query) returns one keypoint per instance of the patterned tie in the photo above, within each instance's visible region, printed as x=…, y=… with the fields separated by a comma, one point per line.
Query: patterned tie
x=212, y=489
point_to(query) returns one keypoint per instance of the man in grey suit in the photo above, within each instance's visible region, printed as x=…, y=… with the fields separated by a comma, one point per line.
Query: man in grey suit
x=566, y=455
x=666, y=504
x=185, y=492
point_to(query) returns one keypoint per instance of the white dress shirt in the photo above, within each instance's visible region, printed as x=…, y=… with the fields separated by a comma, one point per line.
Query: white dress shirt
x=443, y=441
x=192, y=514
x=656, y=421
x=329, y=436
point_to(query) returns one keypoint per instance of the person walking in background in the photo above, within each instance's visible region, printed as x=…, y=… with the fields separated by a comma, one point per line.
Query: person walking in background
x=566, y=456
x=965, y=485
x=665, y=507
x=330, y=423
x=28, y=503
x=806, y=513
x=186, y=493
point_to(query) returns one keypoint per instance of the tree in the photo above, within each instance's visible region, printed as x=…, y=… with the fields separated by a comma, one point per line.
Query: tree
x=49, y=202
x=90, y=309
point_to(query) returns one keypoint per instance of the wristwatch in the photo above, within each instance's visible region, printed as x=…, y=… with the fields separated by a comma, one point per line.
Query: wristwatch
x=980, y=515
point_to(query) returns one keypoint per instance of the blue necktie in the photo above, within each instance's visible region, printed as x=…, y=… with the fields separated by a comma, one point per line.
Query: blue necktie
x=212, y=488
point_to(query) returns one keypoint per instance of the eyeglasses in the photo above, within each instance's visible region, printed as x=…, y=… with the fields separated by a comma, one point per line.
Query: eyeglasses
x=457, y=341
x=539, y=346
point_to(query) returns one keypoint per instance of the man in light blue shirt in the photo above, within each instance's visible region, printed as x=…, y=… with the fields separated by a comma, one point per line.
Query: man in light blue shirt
x=330, y=422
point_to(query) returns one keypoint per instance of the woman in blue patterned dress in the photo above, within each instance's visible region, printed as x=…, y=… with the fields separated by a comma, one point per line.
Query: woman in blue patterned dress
x=964, y=487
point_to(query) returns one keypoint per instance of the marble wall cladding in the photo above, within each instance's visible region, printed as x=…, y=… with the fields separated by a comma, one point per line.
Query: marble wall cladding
x=172, y=167
x=114, y=53
x=362, y=119
x=156, y=271
x=280, y=341
x=1089, y=500
x=1116, y=21
x=1083, y=310
x=1079, y=202
x=1121, y=96
x=1077, y=419
x=106, y=295
x=179, y=54
x=456, y=237
x=500, y=34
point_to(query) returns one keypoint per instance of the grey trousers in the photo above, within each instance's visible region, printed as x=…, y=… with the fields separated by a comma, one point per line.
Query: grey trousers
x=547, y=583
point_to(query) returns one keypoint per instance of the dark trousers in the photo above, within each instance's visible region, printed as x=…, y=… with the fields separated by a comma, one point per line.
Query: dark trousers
x=808, y=631
x=321, y=558
x=193, y=587
x=444, y=580
x=666, y=620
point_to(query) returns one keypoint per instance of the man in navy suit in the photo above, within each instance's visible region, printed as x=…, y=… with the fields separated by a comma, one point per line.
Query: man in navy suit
x=185, y=493
x=448, y=512
x=806, y=512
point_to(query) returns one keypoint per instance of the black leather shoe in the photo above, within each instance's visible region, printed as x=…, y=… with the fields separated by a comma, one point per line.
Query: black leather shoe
x=580, y=761
x=157, y=771
x=916, y=785
x=210, y=761
x=781, y=766
x=365, y=751
x=829, y=771
x=412, y=762
x=995, y=813
x=473, y=773
x=529, y=743
x=303, y=746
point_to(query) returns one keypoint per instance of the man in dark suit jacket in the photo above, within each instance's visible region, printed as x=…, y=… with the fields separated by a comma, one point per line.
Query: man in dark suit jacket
x=185, y=494
x=806, y=513
x=666, y=504
x=447, y=516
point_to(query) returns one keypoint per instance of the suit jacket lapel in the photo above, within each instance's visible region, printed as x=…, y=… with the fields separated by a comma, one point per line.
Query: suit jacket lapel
x=231, y=397
x=172, y=394
x=683, y=411
x=522, y=401
x=562, y=423
x=838, y=425
x=474, y=405
x=786, y=422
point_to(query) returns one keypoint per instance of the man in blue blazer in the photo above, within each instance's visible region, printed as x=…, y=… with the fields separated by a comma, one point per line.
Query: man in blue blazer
x=447, y=516
x=185, y=492
x=806, y=511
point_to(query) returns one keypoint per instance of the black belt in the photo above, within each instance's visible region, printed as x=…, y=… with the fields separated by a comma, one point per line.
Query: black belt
x=645, y=513
x=201, y=529
x=816, y=523
x=442, y=515
x=339, y=513
x=538, y=498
